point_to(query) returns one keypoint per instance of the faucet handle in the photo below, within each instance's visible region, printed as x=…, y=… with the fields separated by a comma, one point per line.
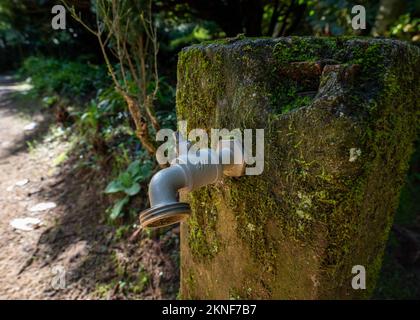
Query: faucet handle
x=231, y=156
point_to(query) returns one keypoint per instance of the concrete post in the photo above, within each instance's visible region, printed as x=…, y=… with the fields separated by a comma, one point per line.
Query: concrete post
x=340, y=116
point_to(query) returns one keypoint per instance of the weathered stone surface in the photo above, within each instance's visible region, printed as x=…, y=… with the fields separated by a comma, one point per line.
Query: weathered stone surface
x=340, y=116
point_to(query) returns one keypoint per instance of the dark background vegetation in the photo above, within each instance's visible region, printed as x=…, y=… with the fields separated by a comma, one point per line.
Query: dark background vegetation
x=66, y=69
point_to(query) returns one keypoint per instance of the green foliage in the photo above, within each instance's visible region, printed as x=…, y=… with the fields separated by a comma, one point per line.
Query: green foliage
x=102, y=123
x=103, y=116
x=333, y=17
x=117, y=208
x=122, y=231
x=128, y=183
x=70, y=79
x=192, y=33
x=406, y=27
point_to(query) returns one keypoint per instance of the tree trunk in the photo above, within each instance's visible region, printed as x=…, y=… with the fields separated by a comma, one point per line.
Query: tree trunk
x=142, y=131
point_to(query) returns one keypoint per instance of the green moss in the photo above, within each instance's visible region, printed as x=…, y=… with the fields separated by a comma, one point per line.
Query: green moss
x=203, y=240
x=196, y=65
x=189, y=281
x=251, y=219
x=303, y=49
x=286, y=98
x=102, y=290
x=140, y=283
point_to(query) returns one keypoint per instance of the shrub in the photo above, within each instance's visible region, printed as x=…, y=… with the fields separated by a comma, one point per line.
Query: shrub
x=128, y=183
x=71, y=79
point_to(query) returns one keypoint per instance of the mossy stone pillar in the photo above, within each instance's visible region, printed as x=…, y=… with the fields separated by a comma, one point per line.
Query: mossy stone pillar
x=340, y=116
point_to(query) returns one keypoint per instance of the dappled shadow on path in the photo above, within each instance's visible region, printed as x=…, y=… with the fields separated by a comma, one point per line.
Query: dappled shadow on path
x=77, y=237
x=13, y=102
x=83, y=243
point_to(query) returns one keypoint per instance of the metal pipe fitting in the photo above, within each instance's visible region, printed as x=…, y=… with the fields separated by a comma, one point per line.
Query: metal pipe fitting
x=189, y=172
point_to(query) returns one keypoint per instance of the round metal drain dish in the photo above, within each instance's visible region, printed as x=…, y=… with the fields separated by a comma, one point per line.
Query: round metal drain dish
x=164, y=215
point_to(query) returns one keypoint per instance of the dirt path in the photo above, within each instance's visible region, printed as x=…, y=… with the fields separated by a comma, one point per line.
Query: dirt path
x=73, y=254
x=16, y=164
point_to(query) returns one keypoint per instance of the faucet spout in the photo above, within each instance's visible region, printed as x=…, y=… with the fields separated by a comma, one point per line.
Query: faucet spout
x=188, y=172
x=163, y=191
x=164, y=186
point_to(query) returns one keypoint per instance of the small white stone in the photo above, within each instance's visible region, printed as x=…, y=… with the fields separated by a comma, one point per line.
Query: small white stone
x=354, y=154
x=25, y=224
x=31, y=126
x=42, y=206
x=21, y=183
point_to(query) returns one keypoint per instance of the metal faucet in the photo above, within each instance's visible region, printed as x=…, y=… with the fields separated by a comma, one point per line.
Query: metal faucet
x=189, y=171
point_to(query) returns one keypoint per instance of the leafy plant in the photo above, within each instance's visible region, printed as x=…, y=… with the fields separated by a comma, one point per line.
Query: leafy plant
x=128, y=183
x=407, y=28
x=72, y=79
